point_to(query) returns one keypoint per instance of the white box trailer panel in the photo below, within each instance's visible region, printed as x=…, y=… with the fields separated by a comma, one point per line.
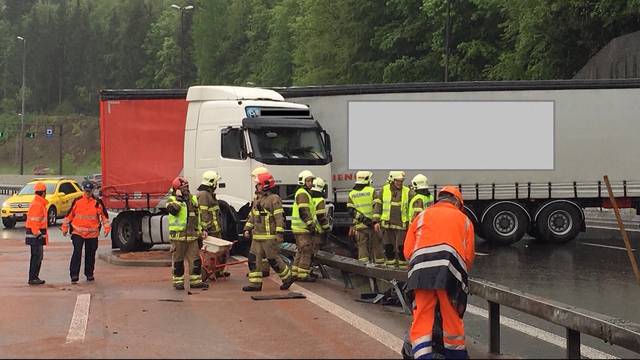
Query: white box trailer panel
x=595, y=133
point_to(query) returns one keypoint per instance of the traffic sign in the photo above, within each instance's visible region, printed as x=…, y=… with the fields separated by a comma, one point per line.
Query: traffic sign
x=49, y=132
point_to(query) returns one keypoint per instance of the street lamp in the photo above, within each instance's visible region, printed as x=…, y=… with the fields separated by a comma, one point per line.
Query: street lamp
x=182, y=9
x=24, y=62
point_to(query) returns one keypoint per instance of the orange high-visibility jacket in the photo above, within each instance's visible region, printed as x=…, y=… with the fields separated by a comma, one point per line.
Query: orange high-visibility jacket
x=440, y=248
x=37, y=219
x=85, y=218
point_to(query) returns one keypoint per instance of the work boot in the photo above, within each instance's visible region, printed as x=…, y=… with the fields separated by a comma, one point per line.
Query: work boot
x=90, y=278
x=36, y=282
x=74, y=280
x=252, y=288
x=287, y=283
x=179, y=286
x=308, y=279
x=201, y=285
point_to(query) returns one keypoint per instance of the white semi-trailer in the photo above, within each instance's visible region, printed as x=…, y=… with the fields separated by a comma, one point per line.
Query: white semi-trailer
x=596, y=127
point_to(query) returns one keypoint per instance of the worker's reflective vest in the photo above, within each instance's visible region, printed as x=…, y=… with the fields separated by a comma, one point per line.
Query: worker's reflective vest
x=362, y=202
x=320, y=210
x=36, y=220
x=426, y=201
x=297, y=225
x=85, y=218
x=387, y=203
x=178, y=223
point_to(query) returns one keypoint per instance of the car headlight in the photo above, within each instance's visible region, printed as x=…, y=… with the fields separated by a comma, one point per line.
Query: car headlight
x=5, y=204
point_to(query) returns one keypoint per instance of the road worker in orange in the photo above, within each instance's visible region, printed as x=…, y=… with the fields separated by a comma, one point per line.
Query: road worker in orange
x=36, y=231
x=84, y=221
x=441, y=249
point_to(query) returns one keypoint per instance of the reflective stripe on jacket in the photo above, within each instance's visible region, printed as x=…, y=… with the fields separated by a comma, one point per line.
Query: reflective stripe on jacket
x=321, y=220
x=418, y=203
x=178, y=229
x=362, y=202
x=266, y=218
x=303, y=214
x=441, y=249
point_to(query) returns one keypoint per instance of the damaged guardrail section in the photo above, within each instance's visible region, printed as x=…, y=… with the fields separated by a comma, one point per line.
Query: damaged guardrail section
x=576, y=321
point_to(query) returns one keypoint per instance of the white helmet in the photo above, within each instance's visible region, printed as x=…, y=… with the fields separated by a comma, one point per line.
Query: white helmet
x=210, y=178
x=318, y=185
x=364, y=177
x=420, y=182
x=303, y=176
x=396, y=175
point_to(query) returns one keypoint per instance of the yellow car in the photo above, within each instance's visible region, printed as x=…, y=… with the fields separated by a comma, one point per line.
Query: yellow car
x=60, y=193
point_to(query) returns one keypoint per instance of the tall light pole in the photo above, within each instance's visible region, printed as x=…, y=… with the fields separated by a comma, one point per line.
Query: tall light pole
x=182, y=9
x=24, y=64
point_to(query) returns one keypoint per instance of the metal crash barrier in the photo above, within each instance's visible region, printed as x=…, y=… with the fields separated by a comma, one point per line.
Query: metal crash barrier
x=576, y=321
x=9, y=189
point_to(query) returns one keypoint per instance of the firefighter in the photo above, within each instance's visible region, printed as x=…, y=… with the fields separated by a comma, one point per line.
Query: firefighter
x=441, y=249
x=185, y=230
x=303, y=226
x=391, y=215
x=321, y=220
x=257, y=171
x=265, y=227
x=210, y=217
x=422, y=198
x=360, y=205
x=85, y=218
x=36, y=232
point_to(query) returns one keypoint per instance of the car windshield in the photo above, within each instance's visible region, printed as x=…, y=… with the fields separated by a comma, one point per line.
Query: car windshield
x=302, y=146
x=28, y=189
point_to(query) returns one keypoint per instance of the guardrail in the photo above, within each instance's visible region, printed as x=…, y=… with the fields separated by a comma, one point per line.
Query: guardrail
x=576, y=321
x=9, y=189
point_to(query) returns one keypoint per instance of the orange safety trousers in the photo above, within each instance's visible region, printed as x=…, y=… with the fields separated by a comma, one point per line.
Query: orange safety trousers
x=422, y=326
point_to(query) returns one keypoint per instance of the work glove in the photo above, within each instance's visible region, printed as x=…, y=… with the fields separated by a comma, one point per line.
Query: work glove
x=367, y=221
x=247, y=234
x=376, y=227
x=352, y=231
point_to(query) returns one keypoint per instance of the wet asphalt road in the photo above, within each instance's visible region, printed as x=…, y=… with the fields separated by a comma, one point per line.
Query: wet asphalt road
x=592, y=272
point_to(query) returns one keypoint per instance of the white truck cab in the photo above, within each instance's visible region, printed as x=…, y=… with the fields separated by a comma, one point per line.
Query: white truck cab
x=233, y=130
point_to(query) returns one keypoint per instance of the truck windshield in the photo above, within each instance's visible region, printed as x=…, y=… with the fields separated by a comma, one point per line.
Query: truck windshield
x=298, y=146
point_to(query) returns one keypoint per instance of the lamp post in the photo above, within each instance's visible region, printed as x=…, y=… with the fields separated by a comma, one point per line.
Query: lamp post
x=24, y=62
x=182, y=9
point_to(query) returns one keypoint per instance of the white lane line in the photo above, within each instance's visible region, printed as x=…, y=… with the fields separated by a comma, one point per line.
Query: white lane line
x=384, y=337
x=554, y=339
x=606, y=246
x=78, y=326
x=627, y=227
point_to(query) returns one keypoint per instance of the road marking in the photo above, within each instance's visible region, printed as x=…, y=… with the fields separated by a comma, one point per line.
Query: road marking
x=606, y=246
x=481, y=254
x=384, y=337
x=627, y=227
x=535, y=332
x=78, y=326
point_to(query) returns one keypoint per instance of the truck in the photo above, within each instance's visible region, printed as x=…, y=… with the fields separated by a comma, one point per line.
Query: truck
x=148, y=137
x=595, y=133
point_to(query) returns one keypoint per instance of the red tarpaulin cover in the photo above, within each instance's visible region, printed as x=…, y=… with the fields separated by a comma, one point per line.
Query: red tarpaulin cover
x=142, y=145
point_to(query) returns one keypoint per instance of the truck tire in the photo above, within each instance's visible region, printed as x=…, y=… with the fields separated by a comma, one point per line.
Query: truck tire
x=559, y=222
x=9, y=222
x=125, y=234
x=504, y=224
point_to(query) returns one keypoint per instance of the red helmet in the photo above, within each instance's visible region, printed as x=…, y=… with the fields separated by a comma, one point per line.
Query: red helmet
x=453, y=190
x=179, y=182
x=266, y=180
x=40, y=186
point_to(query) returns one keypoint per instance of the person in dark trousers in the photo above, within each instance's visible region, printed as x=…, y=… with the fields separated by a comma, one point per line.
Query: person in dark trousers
x=36, y=232
x=85, y=219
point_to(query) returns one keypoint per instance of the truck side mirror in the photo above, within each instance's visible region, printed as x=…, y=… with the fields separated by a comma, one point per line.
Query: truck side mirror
x=327, y=145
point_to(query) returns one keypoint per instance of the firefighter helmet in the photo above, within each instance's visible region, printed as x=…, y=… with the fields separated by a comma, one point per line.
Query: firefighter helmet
x=420, y=182
x=396, y=175
x=210, y=178
x=364, y=177
x=259, y=170
x=318, y=185
x=266, y=180
x=179, y=182
x=303, y=176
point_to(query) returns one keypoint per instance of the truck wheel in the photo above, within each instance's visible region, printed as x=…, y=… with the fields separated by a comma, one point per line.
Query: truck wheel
x=52, y=216
x=559, y=223
x=8, y=222
x=126, y=232
x=505, y=224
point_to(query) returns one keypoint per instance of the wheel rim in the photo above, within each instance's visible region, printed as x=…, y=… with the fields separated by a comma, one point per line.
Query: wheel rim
x=560, y=222
x=124, y=232
x=505, y=223
x=51, y=216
